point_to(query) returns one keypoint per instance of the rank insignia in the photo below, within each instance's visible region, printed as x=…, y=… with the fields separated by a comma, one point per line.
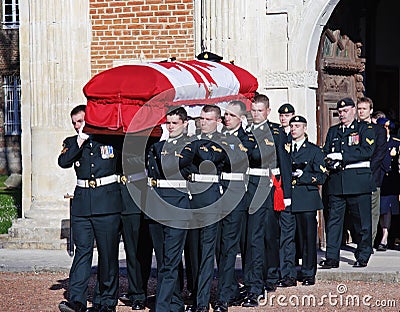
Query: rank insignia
x=268, y=142
x=313, y=179
x=204, y=148
x=178, y=155
x=188, y=148
x=64, y=150
x=288, y=147
x=370, y=141
x=323, y=169
x=216, y=149
x=251, y=139
x=242, y=148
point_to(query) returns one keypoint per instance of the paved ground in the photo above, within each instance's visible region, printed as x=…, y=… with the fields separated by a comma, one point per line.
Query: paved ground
x=37, y=280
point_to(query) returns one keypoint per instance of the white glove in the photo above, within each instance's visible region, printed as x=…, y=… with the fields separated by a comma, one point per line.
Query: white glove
x=298, y=173
x=82, y=135
x=287, y=201
x=335, y=156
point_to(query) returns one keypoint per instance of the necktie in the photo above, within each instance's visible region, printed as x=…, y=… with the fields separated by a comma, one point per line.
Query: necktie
x=295, y=148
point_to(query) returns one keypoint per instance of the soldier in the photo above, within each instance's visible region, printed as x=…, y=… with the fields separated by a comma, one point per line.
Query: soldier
x=135, y=230
x=364, y=111
x=269, y=163
x=308, y=172
x=348, y=148
x=95, y=213
x=169, y=168
x=233, y=182
x=286, y=112
x=209, y=159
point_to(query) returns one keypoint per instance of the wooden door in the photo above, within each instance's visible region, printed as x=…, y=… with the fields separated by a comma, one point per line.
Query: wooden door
x=340, y=74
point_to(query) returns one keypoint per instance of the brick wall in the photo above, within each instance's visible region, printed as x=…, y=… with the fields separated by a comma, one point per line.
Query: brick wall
x=9, y=51
x=150, y=29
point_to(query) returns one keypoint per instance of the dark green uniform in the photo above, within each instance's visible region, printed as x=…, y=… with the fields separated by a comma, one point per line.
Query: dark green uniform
x=169, y=160
x=301, y=214
x=209, y=158
x=262, y=252
x=95, y=214
x=350, y=185
x=240, y=146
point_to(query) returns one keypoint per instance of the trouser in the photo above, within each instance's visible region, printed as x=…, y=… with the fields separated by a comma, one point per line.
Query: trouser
x=271, y=243
x=130, y=234
x=375, y=211
x=287, y=250
x=360, y=209
x=207, y=239
x=169, y=296
x=105, y=229
x=229, y=230
x=306, y=222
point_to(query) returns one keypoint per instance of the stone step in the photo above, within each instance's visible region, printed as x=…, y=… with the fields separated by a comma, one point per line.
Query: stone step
x=36, y=234
x=23, y=244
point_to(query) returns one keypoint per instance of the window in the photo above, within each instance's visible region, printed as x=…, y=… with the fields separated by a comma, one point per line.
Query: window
x=12, y=105
x=10, y=14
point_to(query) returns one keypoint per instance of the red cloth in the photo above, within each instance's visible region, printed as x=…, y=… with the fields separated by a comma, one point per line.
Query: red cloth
x=136, y=97
x=279, y=203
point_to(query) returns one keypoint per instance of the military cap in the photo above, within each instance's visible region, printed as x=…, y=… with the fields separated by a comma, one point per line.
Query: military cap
x=208, y=56
x=298, y=119
x=286, y=109
x=345, y=102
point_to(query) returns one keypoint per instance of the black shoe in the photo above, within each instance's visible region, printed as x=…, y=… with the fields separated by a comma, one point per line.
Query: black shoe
x=329, y=264
x=360, y=264
x=250, y=301
x=381, y=247
x=106, y=308
x=221, y=307
x=94, y=308
x=138, y=305
x=201, y=309
x=190, y=308
x=238, y=300
x=308, y=281
x=75, y=306
x=270, y=286
x=287, y=282
x=124, y=298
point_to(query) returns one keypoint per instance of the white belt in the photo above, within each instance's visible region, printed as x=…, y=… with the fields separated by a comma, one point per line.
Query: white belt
x=97, y=182
x=258, y=172
x=166, y=183
x=361, y=164
x=232, y=176
x=210, y=178
x=136, y=177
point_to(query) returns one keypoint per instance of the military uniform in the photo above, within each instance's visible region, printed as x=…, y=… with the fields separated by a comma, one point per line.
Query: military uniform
x=95, y=214
x=209, y=159
x=301, y=214
x=349, y=185
x=137, y=241
x=169, y=167
x=240, y=145
x=263, y=221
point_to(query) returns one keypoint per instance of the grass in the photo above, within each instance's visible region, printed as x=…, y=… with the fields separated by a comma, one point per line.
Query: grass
x=10, y=205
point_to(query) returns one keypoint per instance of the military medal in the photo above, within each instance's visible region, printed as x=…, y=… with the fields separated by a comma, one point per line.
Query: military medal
x=110, y=151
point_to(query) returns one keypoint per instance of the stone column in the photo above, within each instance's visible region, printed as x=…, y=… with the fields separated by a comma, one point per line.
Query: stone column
x=55, y=65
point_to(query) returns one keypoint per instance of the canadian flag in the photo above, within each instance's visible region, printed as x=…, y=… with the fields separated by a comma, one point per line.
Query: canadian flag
x=132, y=98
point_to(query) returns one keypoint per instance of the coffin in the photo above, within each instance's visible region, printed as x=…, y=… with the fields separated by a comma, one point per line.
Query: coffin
x=135, y=98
